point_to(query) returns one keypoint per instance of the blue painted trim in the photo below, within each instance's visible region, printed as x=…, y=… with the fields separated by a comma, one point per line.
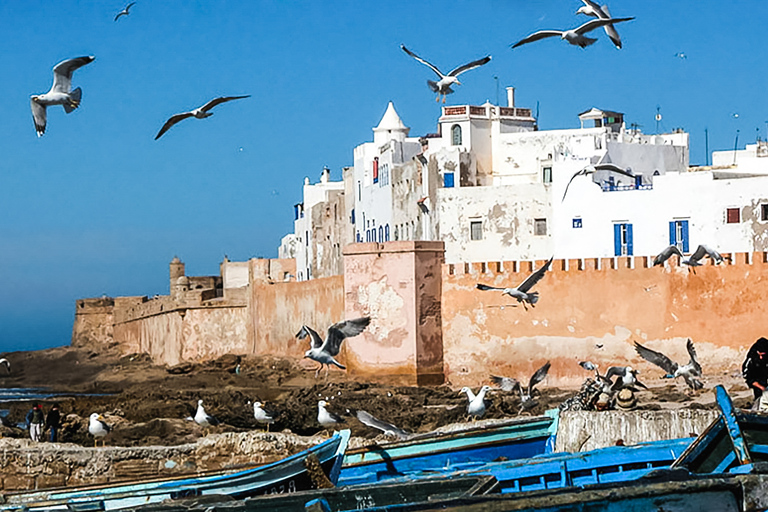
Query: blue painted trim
x=732, y=425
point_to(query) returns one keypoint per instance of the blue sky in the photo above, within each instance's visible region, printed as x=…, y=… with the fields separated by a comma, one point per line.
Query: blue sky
x=97, y=206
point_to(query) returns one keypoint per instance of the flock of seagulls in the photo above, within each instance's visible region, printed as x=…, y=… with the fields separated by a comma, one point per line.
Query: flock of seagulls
x=701, y=252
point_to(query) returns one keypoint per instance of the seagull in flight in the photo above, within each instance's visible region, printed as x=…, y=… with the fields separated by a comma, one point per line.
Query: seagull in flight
x=522, y=293
x=60, y=93
x=7, y=364
x=368, y=419
x=198, y=113
x=701, y=252
x=324, y=351
x=124, y=12
x=476, y=406
x=688, y=372
x=593, y=9
x=202, y=418
x=626, y=377
x=574, y=36
x=443, y=86
x=591, y=169
x=509, y=384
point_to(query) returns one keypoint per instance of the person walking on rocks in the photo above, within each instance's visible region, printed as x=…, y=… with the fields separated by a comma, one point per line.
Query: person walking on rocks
x=755, y=367
x=36, y=420
x=53, y=422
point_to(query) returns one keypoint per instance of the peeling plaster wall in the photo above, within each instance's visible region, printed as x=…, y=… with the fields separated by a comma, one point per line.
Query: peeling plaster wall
x=277, y=312
x=507, y=214
x=398, y=284
x=595, y=310
x=328, y=219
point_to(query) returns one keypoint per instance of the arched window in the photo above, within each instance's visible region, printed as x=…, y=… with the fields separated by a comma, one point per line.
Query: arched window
x=456, y=135
x=381, y=233
x=386, y=233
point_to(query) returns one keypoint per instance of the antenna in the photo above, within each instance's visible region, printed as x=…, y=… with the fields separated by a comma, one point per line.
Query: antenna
x=706, y=146
x=497, y=90
x=537, y=112
x=735, y=145
x=658, y=118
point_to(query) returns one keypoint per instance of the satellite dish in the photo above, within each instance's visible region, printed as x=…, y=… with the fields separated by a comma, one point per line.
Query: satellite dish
x=658, y=117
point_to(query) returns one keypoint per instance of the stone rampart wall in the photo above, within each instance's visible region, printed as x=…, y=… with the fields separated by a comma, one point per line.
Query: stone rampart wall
x=594, y=309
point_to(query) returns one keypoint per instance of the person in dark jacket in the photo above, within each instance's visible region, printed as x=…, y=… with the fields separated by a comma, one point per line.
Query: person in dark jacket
x=53, y=422
x=755, y=367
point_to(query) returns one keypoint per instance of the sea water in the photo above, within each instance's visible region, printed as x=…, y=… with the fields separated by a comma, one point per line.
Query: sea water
x=32, y=394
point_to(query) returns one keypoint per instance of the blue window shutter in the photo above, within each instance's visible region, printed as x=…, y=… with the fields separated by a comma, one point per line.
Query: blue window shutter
x=685, y=234
x=630, y=252
x=617, y=239
x=448, y=180
x=672, y=233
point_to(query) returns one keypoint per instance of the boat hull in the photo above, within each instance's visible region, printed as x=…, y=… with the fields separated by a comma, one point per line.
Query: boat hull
x=284, y=476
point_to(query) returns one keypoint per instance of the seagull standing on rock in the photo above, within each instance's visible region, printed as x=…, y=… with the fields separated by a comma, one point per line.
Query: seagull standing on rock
x=324, y=351
x=325, y=417
x=262, y=415
x=97, y=427
x=60, y=93
x=198, y=113
x=202, y=418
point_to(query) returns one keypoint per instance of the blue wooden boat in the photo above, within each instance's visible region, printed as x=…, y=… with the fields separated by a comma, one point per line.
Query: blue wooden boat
x=600, y=466
x=451, y=451
x=294, y=473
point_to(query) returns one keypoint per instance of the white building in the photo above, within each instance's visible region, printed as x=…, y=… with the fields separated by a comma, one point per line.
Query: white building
x=492, y=187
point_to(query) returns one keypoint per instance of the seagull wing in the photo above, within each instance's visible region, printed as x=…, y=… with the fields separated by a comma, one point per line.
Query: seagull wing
x=538, y=376
x=62, y=72
x=368, y=419
x=431, y=66
x=507, y=384
x=485, y=287
x=172, y=121
x=588, y=365
x=594, y=6
x=315, y=342
x=472, y=65
x=699, y=253
x=104, y=425
x=615, y=371
x=597, y=23
x=614, y=168
x=656, y=358
x=692, y=352
x=208, y=106
x=534, y=278
x=666, y=254
x=581, y=172
x=541, y=34
x=337, y=333
x=610, y=30
x=39, y=116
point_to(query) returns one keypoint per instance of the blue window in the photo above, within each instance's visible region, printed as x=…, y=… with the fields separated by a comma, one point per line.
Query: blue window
x=352, y=218
x=622, y=239
x=678, y=234
x=381, y=233
x=448, y=180
x=576, y=223
x=386, y=233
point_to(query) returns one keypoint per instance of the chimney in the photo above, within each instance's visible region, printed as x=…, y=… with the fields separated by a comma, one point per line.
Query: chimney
x=326, y=175
x=511, y=97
